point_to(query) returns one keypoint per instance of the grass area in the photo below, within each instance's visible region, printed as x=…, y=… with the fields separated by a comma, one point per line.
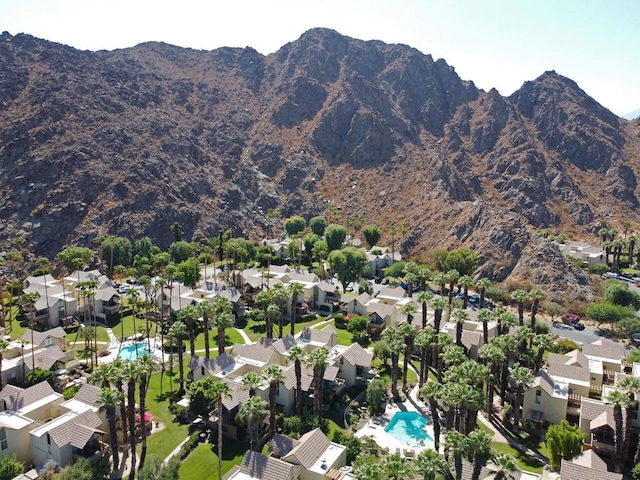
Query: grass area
x=344, y=337
x=524, y=461
x=205, y=459
x=255, y=330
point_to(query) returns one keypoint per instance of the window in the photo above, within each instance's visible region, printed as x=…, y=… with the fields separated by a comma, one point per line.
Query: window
x=538, y=391
x=48, y=342
x=593, y=379
x=3, y=440
x=537, y=400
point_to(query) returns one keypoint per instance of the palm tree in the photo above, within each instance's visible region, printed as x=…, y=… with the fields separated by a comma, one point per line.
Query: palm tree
x=619, y=401
x=146, y=363
x=102, y=375
x=494, y=358
x=274, y=376
x=178, y=331
x=535, y=295
x=317, y=359
x=117, y=379
x=295, y=290
x=133, y=299
x=438, y=304
x=452, y=277
x=272, y=314
x=205, y=310
x=254, y=411
x=507, y=466
x=431, y=391
x=251, y=382
x=424, y=341
x=520, y=296
x=424, y=297
x=222, y=320
x=465, y=281
x=108, y=401
x=368, y=471
x=297, y=355
x=130, y=371
x=522, y=377
x=440, y=279
x=630, y=386
x=409, y=334
x=219, y=392
x=396, y=467
x=454, y=447
x=478, y=451
x=484, y=316
x=430, y=465
x=544, y=343
x=189, y=316
x=281, y=296
x=459, y=316
x=395, y=339
x=482, y=284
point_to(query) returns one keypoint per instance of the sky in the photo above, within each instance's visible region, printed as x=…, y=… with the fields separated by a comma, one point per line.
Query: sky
x=495, y=43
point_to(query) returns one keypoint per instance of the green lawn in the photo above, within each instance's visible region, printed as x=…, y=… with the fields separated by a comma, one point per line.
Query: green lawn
x=255, y=330
x=524, y=461
x=203, y=461
x=344, y=337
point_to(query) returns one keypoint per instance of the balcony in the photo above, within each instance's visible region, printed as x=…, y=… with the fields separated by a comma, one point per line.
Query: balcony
x=93, y=451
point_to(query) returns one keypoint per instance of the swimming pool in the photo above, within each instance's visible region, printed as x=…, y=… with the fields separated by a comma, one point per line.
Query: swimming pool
x=131, y=352
x=408, y=428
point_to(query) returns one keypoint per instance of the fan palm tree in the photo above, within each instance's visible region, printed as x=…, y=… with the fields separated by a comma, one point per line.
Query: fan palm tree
x=317, y=359
x=438, y=304
x=619, y=401
x=272, y=315
x=431, y=391
x=440, y=279
x=281, y=296
x=189, y=317
x=146, y=363
x=117, y=379
x=535, y=296
x=507, y=467
x=130, y=372
x=251, y=382
x=408, y=309
x=254, y=410
x=219, y=392
x=205, y=310
x=297, y=355
x=409, y=334
x=522, y=377
x=368, y=471
x=459, y=316
x=478, y=451
x=102, y=375
x=424, y=340
x=482, y=284
x=430, y=465
x=178, y=331
x=424, y=297
x=108, y=400
x=295, y=290
x=520, y=296
x=454, y=447
x=629, y=386
x=494, y=358
x=396, y=467
x=222, y=320
x=395, y=339
x=544, y=342
x=274, y=376
x=452, y=277
x=465, y=281
x=484, y=316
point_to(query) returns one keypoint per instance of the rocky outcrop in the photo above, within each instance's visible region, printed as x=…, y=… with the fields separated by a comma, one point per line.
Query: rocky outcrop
x=129, y=141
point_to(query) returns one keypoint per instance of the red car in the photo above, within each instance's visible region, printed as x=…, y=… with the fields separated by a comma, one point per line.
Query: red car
x=570, y=318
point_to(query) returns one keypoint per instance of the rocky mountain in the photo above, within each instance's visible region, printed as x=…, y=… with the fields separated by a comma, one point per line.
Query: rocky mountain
x=128, y=141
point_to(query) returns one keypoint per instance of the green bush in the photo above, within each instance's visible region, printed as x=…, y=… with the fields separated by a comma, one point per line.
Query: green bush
x=598, y=268
x=308, y=317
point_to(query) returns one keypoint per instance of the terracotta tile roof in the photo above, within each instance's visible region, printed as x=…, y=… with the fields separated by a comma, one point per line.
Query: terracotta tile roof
x=281, y=445
x=603, y=348
x=575, y=471
x=356, y=355
x=77, y=431
x=259, y=466
x=88, y=394
x=17, y=398
x=311, y=447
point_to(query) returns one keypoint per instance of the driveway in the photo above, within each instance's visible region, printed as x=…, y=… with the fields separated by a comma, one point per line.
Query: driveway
x=588, y=335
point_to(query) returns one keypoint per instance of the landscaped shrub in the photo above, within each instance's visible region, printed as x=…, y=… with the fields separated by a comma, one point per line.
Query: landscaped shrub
x=598, y=268
x=308, y=317
x=188, y=447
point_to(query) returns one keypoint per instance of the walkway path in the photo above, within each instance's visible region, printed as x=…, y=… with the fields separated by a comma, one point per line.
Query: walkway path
x=244, y=336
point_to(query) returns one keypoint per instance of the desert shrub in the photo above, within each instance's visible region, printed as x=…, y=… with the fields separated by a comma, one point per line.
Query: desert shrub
x=565, y=346
x=598, y=268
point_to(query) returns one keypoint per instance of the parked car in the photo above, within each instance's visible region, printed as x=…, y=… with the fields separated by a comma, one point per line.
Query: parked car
x=474, y=298
x=570, y=318
x=578, y=326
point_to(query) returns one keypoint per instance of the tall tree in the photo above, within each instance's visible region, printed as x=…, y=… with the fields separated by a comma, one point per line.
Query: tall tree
x=274, y=376
x=460, y=317
x=219, y=392
x=297, y=355
x=317, y=360
x=520, y=296
x=146, y=364
x=465, y=281
x=424, y=297
x=295, y=290
x=535, y=296
x=431, y=391
x=507, y=467
x=108, y=401
x=222, y=320
x=454, y=447
x=130, y=371
x=522, y=377
x=482, y=284
x=251, y=382
x=189, y=317
x=438, y=304
x=254, y=411
x=478, y=451
x=619, y=401
x=371, y=235
x=178, y=331
x=395, y=339
x=409, y=334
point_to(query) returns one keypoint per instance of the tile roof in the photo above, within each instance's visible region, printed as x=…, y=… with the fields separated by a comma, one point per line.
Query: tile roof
x=77, y=431
x=603, y=348
x=259, y=466
x=590, y=409
x=89, y=394
x=604, y=419
x=381, y=309
x=237, y=395
x=310, y=448
x=39, y=337
x=326, y=336
x=17, y=398
x=290, y=378
x=575, y=471
x=590, y=459
x=281, y=445
x=283, y=344
x=212, y=365
x=467, y=471
x=44, y=358
x=357, y=355
x=259, y=352
x=544, y=381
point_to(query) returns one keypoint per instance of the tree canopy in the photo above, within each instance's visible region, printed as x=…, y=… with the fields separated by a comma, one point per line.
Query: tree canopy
x=73, y=255
x=294, y=225
x=371, y=234
x=318, y=225
x=463, y=260
x=563, y=441
x=335, y=235
x=349, y=264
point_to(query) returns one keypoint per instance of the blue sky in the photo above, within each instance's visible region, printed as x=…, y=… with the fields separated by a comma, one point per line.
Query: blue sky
x=498, y=43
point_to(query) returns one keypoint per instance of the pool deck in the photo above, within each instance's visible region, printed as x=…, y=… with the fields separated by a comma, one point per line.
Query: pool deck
x=115, y=346
x=376, y=425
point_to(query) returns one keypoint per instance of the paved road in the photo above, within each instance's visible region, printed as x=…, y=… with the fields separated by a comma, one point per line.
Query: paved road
x=588, y=335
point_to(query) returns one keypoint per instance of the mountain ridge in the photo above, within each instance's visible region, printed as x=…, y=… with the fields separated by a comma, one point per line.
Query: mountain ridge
x=139, y=138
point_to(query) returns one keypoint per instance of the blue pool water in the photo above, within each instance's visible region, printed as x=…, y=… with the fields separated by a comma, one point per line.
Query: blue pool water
x=408, y=428
x=131, y=352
